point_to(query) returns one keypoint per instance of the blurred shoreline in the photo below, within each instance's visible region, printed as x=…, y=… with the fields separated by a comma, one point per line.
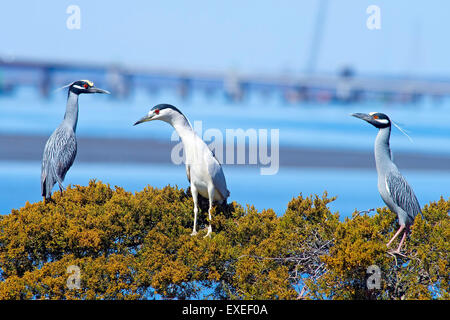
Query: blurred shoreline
x=16, y=147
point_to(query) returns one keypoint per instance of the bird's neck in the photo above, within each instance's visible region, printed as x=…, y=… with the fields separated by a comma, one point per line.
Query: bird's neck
x=188, y=137
x=382, y=148
x=71, y=116
x=182, y=127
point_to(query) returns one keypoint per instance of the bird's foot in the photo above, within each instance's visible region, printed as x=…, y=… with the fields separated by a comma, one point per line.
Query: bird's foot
x=194, y=233
x=208, y=234
x=48, y=200
x=397, y=253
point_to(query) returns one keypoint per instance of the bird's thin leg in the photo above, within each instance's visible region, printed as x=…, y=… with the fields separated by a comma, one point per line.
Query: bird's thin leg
x=395, y=235
x=403, y=239
x=48, y=200
x=211, y=200
x=195, y=198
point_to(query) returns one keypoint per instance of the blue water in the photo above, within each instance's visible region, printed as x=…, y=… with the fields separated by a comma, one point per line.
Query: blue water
x=319, y=126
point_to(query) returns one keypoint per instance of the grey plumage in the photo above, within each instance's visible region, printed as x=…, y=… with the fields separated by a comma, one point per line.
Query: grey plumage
x=59, y=153
x=393, y=187
x=403, y=196
x=61, y=148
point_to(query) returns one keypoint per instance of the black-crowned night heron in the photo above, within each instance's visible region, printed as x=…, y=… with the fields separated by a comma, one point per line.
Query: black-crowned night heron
x=61, y=148
x=393, y=187
x=203, y=170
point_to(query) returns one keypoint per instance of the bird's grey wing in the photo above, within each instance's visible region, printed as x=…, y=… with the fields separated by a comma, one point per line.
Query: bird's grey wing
x=402, y=194
x=65, y=149
x=218, y=178
x=59, y=154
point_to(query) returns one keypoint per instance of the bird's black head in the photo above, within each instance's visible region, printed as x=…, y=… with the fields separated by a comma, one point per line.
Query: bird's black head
x=377, y=119
x=164, y=112
x=85, y=86
x=163, y=106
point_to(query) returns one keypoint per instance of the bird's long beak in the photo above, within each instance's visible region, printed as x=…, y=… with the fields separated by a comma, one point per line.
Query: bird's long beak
x=362, y=116
x=144, y=119
x=366, y=117
x=98, y=90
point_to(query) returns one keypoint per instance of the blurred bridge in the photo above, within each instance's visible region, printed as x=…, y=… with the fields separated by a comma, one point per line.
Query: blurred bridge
x=346, y=86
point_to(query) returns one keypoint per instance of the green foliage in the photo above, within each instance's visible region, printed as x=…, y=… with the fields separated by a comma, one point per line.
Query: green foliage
x=133, y=246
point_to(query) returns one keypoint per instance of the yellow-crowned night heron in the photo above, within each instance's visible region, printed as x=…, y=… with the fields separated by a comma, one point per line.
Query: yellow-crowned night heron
x=203, y=170
x=393, y=187
x=61, y=148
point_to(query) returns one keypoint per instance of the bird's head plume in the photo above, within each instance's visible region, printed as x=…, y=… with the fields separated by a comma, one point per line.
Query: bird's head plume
x=380, y=121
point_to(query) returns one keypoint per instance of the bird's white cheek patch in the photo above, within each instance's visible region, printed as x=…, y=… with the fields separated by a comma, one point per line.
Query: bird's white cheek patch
x=383, y=121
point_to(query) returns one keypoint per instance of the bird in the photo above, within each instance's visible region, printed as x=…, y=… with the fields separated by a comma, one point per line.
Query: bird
x=203, y=170
x=61, y=148
x=392, y=186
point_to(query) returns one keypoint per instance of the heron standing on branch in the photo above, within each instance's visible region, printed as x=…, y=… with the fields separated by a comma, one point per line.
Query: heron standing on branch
x=393, y=187
x=203, y=170
x=61, y=148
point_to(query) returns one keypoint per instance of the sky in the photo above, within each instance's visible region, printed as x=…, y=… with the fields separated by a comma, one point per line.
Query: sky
x=268, y=37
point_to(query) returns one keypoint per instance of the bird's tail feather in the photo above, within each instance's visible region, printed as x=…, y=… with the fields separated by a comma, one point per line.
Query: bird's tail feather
x=48, y=182
x=47, y=186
